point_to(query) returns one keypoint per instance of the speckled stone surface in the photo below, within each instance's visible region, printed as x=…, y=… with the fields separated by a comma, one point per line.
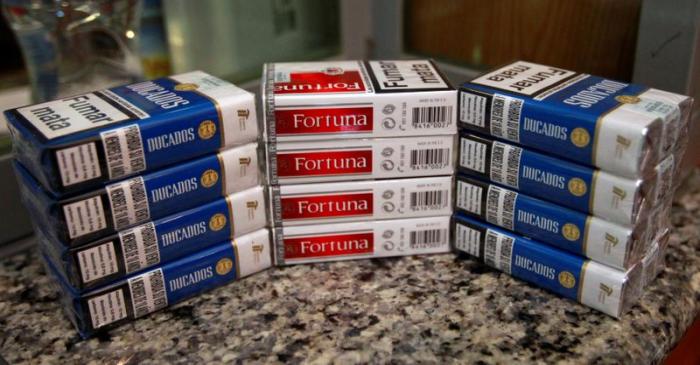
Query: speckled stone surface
x=432, y=309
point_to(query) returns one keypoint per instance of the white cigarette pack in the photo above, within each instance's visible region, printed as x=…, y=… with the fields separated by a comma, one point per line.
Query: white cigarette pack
x=360, y=240
x=361, y=200
x=356, y=99
x=360, y=159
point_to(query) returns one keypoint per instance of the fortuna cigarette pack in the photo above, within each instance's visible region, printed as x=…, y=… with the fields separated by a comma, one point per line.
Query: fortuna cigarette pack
x=361, y=200
x=165, y=285
x=624, y=201
x=100, y=212
x=361, y=240
x=82, y=141
x=598, y=286
x=157, y=242
x=356, y=99
x=360, y=159
x=622, y=128
x=600, y=240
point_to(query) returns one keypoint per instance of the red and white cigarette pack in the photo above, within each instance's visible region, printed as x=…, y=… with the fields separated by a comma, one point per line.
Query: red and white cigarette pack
x=359, y=240
x=360, y=159
x=356, y=99
x=361, y=200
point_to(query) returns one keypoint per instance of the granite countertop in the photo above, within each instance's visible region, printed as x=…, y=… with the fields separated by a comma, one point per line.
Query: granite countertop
x=428, y=309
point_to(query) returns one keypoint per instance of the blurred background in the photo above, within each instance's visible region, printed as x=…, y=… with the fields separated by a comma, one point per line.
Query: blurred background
x=55, y=48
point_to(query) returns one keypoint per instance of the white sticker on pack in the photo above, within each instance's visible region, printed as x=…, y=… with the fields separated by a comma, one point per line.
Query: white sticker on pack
x=472, y=108
x=498, y=251
x=79, y=163
x=107, y=308
x=469, y=197
x=505, y=164
x=97, y=262
x=84, y=216
x=140, y=247
x=505, y=117
x=472, y=155
x=129, y=203
x=148, y=292
x=413, y=75
x=524, y=78
x=71, y=115
x=500, y=206
x=467, y=239
x=123, y=149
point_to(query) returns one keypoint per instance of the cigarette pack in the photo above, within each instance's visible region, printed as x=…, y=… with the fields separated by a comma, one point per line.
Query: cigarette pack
x=582, y=188
x=598, y=286
x=361, y=200
x=626, y=129
x=356, y=99
x=114, y=207
x=82, y=141
x=157, y=242
x=359, y=159
x=569, y=230
x=165, y=285
x=361, y=240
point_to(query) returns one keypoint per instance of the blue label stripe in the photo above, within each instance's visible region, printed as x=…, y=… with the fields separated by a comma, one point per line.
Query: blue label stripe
x=198, y=216
x=185, y=176
x=202, y=266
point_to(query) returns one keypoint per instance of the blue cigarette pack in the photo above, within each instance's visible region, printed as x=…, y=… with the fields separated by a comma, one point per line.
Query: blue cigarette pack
x=138, y=295
x=626, y=129
x=153, y=243
x=117, y=206
x=82, y=141
x=624, y=201
x=598, y=286
x=569, y=230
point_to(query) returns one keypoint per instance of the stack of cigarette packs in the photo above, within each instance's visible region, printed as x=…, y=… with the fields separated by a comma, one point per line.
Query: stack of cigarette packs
x=565, y=180
x=146, y=194
x=143, y=195
x=360, y=159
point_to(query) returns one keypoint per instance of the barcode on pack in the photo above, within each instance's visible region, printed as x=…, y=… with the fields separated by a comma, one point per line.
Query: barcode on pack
x=148, y=293
x=505, y=164
x=129, y=203
x=140, y=247
x=430, y=158
x=428, y=200
x=431, y=117
x=505, y=117
x=124, y=151
x=498, y=251
x=500, y=206
x=428, y=238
